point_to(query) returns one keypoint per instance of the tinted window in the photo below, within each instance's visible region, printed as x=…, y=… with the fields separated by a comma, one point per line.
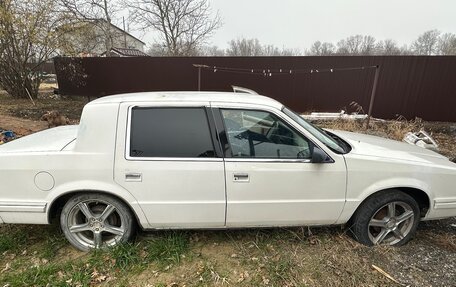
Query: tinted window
x=258, y=134
x=170, y=132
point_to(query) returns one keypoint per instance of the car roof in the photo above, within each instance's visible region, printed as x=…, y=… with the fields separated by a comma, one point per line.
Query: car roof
x=190, y=97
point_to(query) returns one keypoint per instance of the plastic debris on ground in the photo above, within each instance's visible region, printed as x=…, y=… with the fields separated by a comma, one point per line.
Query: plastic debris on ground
x=6, y=136
x=421, y=139
x=334, y=116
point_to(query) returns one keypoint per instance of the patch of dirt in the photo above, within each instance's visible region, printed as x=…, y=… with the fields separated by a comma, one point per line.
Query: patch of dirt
x=47, y=101
x=20, y=126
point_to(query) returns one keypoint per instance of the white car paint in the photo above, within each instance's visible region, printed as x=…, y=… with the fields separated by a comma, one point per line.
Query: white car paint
x=377, y=163
x=203, y=193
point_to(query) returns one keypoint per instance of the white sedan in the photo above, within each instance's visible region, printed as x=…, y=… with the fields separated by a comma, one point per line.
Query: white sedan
x=186, y=160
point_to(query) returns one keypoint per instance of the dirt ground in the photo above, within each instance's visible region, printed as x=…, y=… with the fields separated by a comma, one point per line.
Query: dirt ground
x=324, y=256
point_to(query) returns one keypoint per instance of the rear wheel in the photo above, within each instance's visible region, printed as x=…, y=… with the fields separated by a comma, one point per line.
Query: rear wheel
x=387, y=218
x=96, y=220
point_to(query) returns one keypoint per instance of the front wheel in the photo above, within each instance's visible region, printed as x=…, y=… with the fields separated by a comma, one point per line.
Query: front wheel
x=95, y=220
x=387, y=218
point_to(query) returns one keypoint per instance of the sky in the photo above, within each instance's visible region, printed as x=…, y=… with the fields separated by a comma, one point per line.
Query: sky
x=296, y=24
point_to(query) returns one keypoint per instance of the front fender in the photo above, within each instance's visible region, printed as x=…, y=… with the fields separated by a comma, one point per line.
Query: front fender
x=357, y=194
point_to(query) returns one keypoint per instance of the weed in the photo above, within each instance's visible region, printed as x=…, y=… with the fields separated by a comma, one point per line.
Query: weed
x=209, y=276
x=126, y=255
x=168, y=248
x=35, y=276
x=52, y=244
x=12, y=239
x=96, y=257
x=280, y=270
x=79, y=277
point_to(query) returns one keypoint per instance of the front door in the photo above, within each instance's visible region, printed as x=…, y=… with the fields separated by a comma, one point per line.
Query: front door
x=167, y=159
x=270, y=178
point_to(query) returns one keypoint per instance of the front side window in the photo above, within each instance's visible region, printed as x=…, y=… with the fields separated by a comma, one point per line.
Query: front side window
x=259, y=134
x=317, y=132
x=170, y=132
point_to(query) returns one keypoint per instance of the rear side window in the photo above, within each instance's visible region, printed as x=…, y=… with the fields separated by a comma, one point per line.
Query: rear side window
x=170, y=132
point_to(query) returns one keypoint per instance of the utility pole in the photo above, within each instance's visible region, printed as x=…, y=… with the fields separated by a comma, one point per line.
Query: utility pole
x=125, y=33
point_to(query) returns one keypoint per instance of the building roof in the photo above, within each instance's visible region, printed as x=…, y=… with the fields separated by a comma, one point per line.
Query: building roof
x=123, y=31
x=127, y=52
x=190, y=97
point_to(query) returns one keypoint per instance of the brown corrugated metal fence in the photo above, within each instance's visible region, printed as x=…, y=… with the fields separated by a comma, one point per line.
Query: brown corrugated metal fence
x=411, y=86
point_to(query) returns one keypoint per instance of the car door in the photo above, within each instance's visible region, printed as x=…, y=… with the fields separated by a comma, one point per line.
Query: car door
x=167, y=159
x=270, y=178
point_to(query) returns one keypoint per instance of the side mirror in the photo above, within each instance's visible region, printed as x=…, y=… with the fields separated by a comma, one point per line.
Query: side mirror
x=318, y=156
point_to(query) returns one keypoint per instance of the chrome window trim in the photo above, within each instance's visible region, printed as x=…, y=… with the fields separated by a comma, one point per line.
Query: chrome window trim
x=218, y=105
x=210, y=159
x=234, y=159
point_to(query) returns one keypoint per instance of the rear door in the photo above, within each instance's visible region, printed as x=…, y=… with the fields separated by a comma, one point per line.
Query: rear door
x=167, y=158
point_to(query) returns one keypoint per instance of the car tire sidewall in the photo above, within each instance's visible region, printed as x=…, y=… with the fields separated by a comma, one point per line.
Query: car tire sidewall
x=360, y=223
x=123, y=211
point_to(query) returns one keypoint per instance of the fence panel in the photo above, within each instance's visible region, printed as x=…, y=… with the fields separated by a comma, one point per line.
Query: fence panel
x=411, y=86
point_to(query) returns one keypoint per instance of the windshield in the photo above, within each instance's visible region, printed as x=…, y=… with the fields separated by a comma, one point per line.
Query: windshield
x=317, y=132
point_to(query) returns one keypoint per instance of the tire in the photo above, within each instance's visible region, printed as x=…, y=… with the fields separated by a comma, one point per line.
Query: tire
x=95, y=220
x=386, y=218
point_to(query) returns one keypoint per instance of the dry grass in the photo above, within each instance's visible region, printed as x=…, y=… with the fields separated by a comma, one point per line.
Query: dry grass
x=395, y=129
x=443, y=133
x=445, y=240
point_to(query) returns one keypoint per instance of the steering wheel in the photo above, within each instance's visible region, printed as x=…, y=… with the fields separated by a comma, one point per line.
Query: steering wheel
x=305, y=153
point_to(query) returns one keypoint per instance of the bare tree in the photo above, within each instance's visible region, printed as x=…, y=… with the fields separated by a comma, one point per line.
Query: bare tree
x=253, y=47
x=184, y=25
x=29, y=36
x=388, y=47
x=427, y=43
x=270, y=50
x=367, y=45
x=157, y=50
x=350, y=46
x=211, y=51
x=290, y=52
x=321, y=49
x=244, y=47
x=356, y=45
x=447, y=44
x=405, y=50
x=97, y=12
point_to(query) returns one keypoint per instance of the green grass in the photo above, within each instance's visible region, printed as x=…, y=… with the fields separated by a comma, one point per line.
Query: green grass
x=54, y=274
x=280, y=271
x=125, y=256
x=51, y=246
x=168, y=248
x=119, y=263
x=13, y=239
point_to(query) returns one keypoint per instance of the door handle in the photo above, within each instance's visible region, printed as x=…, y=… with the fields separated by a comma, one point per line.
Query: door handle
x=241, y=177
x=133, y=177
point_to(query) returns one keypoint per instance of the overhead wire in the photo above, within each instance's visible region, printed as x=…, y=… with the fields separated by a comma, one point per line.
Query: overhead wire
x=278, y=72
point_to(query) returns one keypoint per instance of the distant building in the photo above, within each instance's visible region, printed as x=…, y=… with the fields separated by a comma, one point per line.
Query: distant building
x=88, y=39
x=123, y=52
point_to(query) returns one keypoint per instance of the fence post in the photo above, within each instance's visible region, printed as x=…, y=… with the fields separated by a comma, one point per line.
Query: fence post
x=199, y=66
x=372, y=98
